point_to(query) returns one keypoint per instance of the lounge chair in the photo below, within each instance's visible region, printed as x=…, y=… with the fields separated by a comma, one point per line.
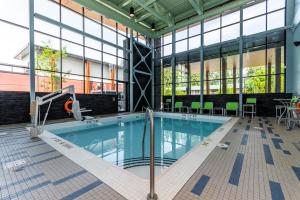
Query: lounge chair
x=178, y=106
x=208, y=106
x=195, y=106
x=249, y=107
x=232, y=106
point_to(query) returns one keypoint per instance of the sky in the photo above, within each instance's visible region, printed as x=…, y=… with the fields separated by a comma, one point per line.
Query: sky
x=14, y=39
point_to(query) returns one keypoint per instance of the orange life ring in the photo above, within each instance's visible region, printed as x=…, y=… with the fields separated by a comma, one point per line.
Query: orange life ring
x=67, y=107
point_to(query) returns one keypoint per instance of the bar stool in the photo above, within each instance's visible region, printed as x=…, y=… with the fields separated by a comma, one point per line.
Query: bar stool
x=279, y=110
x=249, y=107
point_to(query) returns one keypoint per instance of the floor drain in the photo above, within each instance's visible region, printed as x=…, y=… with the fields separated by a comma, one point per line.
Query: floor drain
x=16, y=165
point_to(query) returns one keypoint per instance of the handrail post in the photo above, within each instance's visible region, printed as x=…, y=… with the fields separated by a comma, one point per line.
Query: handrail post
x=152, y=195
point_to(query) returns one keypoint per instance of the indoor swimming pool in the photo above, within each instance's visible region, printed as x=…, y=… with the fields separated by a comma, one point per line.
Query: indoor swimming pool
x=120, y=141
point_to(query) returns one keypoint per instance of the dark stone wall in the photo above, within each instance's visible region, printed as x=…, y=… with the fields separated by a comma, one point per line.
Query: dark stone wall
x=265, y=102
x=14, y=106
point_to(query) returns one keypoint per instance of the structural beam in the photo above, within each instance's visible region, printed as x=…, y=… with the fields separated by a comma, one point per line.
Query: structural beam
x=165, y=17
x=211, y=13
x=125, y=3
x=114, y=12
x=31, y=52
x=197, y=5
x=143, y=17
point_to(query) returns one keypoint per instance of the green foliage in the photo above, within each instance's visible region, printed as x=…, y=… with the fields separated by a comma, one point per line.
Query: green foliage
x=46, y=60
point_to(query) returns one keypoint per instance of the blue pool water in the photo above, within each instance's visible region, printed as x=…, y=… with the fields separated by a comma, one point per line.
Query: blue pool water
x=121, y=142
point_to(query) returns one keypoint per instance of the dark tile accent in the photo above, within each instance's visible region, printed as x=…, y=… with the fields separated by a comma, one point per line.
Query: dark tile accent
x=40, y=154
x=276, y=191
x=62, y=180
x=270, y=130
x=287, y=152
x=200, y=185
x=297, y=145
x=277, y=135
x=247, y=128
x=297, y=172
x=82, y=191
x=263, y=134
x=268, y=155
x=43, y=143
x=46, y=160
x=276, y=142
x=261, y=125
x=23, y=180
x=236, y=170
x=235, y=130
x=244, y=139
x=22, y=192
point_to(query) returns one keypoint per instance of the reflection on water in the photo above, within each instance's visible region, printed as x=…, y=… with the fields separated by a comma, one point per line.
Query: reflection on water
x=121, y=143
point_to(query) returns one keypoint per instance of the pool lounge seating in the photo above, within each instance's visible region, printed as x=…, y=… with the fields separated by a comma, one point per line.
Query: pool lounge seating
x=250, y=107
x=194, y=106
x=167, y=105
x=178, y=106
x=208, y=106
x=232, y=106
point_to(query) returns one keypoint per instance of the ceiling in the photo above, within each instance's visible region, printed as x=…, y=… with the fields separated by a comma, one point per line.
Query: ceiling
x=166, y=15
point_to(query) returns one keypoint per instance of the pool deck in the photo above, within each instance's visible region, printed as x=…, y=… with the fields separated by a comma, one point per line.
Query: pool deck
x=261, y=162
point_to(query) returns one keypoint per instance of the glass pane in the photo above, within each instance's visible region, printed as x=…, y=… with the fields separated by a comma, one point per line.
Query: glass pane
x=45, y=27
x=212, y=87
x=92, y=27
x=181, y=34
x=92, y=54
x=121, y=40
x=109, y=59
x=275, y=4
x=109, y=35
x=212, y=24
x=181, y=46
x=167, y=39
x=195, y=78
x=212, y=37
x=13, y=41
x=109, y=86
x=8, y=76
x=74, y=49
x=181, y=88
x=194, y=29
x=230, y=74
x=194, y=42
x=72, y=36
x=42, y=40
x=47, y=81
x=89, y=42
x=230, y=18
x=46, y=8
x=254, y=70
x=276, y=19
x=167, y=81
x=93, y=85
x=167, y=50
x=77, y=81
x=255, y=25
x=73, y=61
x=15, y=11
x=254, y=10
x=212, y=69
x=231, y=32
x=71, y=18
x=109, y=49
x=181, y=73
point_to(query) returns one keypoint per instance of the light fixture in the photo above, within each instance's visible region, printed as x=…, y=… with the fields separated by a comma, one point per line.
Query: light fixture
x=153, y=27
x=131, y=12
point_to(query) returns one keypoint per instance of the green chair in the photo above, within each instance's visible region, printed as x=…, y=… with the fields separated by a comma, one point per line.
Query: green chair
x=195, y=106
x=178, y=105
x=208, y=106
x=232, y=106
x=249, y=107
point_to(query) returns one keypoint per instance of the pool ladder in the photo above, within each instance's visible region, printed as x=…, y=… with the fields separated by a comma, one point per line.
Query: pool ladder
x=149, y=115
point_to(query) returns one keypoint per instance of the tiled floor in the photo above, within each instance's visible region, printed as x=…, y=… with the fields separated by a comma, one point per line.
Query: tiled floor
x=46, y=175
x=262, y=162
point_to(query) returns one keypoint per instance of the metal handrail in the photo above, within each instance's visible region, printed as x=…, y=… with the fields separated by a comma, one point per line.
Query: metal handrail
x=149, y=115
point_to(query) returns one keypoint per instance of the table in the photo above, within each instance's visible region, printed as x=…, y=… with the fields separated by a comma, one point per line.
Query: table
x=218, y=109
x=286, y=103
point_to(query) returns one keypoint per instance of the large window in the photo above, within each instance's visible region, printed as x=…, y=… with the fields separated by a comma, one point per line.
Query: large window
x=263, y=57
